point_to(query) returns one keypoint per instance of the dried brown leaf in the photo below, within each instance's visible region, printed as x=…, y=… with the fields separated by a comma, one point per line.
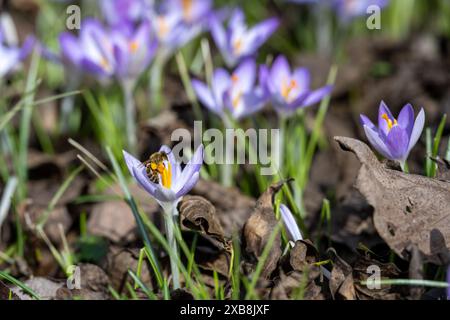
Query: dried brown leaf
x=258, y=229
x=408, y=208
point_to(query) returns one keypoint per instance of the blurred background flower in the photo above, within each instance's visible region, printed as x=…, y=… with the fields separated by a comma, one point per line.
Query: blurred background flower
x=290, y=90
x=237, y=40
x=236, y=94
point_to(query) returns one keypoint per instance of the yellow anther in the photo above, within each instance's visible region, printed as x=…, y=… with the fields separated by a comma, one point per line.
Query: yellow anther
x=163, y=27
x=187, y=8
x=234, y=78
x=237, y=46
x=287, y=88
x=236, y=100
x=165, y=173
x=104, y=63
x=389, y=121
x=134, y=46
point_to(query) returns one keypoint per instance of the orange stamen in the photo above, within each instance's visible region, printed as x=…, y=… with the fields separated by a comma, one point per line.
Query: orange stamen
x=134, y=46
x=389, y=121
x=237, y=46
x=165, y=173
x=286, y=89
x=162, y=26
x=187, y=8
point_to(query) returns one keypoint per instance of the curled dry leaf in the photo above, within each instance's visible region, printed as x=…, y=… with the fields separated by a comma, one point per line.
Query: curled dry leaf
x=299, y=276
x=408, y=208
x=198, y=214
x=341, y=281
x=258, y=229
x=232, y=207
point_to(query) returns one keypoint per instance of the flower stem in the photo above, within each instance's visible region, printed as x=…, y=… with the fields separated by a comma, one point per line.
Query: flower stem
x=171, y=213
x=130, y=115
x=227, y=167
x=404, y=166
x=156, y=75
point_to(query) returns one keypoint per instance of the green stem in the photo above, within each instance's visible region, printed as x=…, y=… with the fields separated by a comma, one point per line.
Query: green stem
x=404, y=166
x=130, y=115
x=227, y=168
x=156, y=74
x=171, y=214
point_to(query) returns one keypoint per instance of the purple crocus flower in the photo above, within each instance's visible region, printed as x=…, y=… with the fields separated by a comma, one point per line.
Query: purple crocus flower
x=133, y=49
x=92, y=50
x=120, y=11
x=176, y=22
x=11, y=55
x=238, y=41
x=394, y=138
x=174, y=182
x=288, y=90
x=235, y=93
x=290, y=224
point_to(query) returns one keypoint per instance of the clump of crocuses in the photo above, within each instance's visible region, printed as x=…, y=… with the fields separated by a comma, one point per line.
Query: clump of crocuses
x=394, y=137
x=173, y=184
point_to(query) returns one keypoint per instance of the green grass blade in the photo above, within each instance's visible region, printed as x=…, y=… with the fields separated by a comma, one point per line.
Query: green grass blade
x=20, y=284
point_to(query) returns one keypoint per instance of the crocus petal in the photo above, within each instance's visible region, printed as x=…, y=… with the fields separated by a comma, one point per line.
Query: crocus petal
x=406, y=118
x=220, y=84
x=260, y=33
x=27, y=46
x=252, y=103
x=218, y=33
x=417, y=129
x=382, y=123
x=70, y=47
x=317, y=95
x=190, y=169
x=175, y=166
x=244, y=75
x=397, y=141
x=190, y=183
x=367, y=122
x=263, y=79
x=302, y=78
x=205, y=96
x=290, y=223
x=280, y=71
x=376, y=142
x=131, y=162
